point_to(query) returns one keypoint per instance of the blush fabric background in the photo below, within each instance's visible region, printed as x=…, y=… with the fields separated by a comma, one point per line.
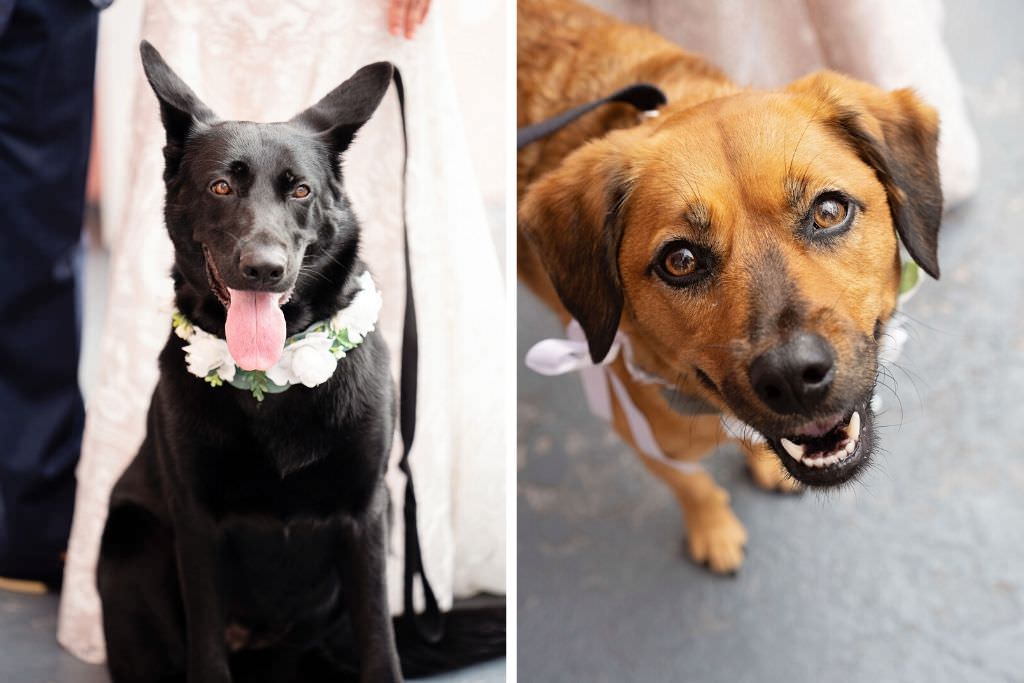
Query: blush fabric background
x=768, y=44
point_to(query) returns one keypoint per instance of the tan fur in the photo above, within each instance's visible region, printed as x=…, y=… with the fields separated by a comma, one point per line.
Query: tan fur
x=735, y=152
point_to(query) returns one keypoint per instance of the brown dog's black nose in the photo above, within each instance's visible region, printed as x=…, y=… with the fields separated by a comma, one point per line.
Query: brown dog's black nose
x=262, y=266
x=794, y=377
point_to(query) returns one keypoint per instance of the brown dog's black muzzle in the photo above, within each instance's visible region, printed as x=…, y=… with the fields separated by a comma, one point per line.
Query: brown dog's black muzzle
x=795, y=377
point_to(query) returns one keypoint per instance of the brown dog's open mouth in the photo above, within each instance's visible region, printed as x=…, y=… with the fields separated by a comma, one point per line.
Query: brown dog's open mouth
x=828, y=452
x=833, y=445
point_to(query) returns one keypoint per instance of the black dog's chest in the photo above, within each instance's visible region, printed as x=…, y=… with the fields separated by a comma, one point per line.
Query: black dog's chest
x=279, y=539
x=279, y=579
x=245, y=480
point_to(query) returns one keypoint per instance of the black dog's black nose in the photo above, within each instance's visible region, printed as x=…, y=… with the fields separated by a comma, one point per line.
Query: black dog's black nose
x=263, y=266
x=794, y=377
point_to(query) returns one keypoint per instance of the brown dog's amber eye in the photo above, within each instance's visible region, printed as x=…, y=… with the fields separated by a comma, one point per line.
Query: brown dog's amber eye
x=301, y=192
x=680, y=262
x=220, y=187
x=830, y=212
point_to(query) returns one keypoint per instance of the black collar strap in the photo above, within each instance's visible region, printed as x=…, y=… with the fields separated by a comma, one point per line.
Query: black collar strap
x=644, y=96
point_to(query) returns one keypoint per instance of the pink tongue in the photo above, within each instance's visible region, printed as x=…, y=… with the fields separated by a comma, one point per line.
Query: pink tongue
x=255, y=329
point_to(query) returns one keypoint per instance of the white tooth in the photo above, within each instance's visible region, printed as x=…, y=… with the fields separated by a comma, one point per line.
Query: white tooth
x=853, y=429
x=841, y=454
x=851, y=446
x=796, y=451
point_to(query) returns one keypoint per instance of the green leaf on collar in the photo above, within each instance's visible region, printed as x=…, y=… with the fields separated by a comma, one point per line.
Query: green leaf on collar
x=910, y=274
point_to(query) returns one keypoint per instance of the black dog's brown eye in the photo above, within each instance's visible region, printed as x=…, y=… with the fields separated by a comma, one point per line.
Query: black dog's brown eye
x=830, y=212
x=301, y=191
x=220, y=187
x=680, y=262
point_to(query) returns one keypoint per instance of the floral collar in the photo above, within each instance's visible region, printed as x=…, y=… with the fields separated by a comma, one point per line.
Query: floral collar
x=309, y=357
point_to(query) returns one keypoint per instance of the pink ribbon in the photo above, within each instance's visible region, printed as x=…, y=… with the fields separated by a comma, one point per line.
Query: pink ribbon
x=561, y=356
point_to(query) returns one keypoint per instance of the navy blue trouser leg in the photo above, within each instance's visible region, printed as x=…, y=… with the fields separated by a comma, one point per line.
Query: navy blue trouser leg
x=47, y=62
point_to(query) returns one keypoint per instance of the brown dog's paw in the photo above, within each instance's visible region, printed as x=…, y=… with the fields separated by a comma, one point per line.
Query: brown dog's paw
x=768, y=473
x=717, y=539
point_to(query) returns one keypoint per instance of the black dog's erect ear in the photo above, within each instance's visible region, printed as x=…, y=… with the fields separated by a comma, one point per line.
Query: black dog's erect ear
x=897, y=135
x=344, y=110
x=572, y=218
x=180, y=110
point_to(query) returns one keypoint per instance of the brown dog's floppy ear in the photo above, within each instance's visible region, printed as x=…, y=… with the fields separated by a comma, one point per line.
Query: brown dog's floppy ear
x=572, y=217
x=897, y=135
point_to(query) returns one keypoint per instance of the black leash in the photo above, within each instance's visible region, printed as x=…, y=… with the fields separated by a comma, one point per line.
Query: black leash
x=429, y=624
x=643, y=96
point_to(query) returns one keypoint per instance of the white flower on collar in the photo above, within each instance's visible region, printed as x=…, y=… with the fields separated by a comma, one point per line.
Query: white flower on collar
x=360, y=317
x=308, y=361
x=206, y=354
x=309, y=357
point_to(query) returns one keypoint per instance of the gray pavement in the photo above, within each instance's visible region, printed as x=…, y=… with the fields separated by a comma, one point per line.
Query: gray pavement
x=914, y=574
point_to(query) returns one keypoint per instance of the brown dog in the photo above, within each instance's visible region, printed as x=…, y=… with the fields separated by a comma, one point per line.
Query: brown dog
x=744, y=241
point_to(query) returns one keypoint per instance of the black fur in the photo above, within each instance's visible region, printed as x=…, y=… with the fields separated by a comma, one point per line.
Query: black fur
x=247, y=541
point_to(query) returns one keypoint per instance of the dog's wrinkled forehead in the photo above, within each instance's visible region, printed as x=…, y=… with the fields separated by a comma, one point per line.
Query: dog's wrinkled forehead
x=245, y=149
x=759, y=150
x=740, y=178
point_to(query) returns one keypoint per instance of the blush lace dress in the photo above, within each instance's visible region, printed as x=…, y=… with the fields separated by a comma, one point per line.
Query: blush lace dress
x=265, y=60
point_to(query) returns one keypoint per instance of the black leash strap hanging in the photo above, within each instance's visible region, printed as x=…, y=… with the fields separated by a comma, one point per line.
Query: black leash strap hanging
x=643, y=96
x=429, y=624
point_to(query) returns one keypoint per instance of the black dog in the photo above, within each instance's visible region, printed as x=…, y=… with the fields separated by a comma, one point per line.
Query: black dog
x=247, y=539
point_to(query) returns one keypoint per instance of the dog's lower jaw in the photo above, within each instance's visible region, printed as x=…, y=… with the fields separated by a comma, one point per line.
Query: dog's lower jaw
x=854, y=446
